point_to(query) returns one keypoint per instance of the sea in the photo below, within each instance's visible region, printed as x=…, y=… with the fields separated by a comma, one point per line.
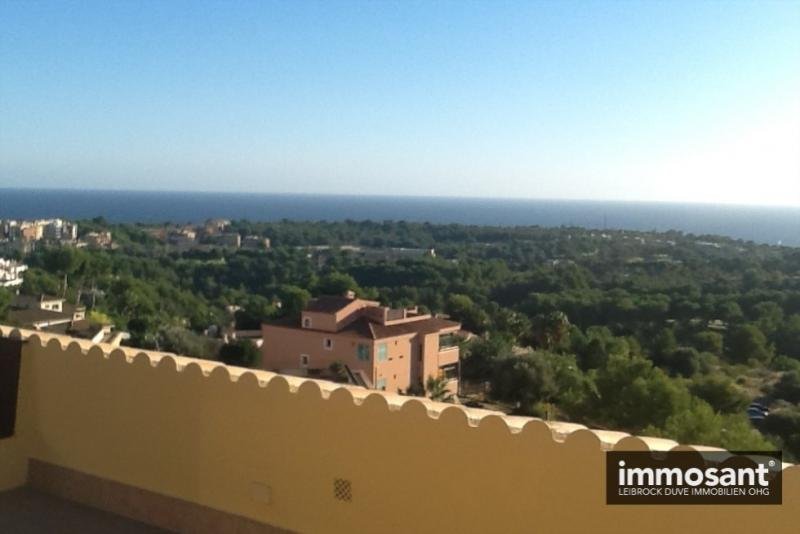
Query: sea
x=769, y=225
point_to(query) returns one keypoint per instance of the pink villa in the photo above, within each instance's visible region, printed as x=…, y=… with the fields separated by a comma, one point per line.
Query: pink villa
x=376, y=346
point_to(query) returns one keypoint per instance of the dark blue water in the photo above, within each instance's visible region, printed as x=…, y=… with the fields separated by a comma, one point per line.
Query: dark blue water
x=761, y=224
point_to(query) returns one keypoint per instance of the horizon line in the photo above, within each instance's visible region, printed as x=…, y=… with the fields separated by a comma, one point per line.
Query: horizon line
x=404, y=196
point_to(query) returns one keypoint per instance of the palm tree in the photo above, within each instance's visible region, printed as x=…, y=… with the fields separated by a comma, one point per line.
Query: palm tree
x=551, y=329
x=437, y=389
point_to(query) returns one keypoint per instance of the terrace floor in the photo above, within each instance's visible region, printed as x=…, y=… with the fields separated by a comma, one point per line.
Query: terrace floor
x=27, y=511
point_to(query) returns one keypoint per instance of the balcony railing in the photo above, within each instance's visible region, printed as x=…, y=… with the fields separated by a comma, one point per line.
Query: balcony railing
x=448, y=341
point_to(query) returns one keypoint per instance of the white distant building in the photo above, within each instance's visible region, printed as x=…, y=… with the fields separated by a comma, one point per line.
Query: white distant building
x=69, y=232
x=32, y=231
x=59, y=230
x=11, y=273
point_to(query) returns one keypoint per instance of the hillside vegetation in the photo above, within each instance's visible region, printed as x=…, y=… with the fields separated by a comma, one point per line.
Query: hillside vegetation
x=659, y=333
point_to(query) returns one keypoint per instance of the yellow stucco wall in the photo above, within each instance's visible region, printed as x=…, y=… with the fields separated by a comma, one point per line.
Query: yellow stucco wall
x=206, y=433
x=13, y=465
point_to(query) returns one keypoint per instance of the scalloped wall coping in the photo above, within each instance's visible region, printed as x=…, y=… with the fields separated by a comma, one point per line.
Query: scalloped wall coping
x=560, y=431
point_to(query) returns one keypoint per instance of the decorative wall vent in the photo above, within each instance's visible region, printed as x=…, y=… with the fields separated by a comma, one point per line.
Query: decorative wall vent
x=342, y=490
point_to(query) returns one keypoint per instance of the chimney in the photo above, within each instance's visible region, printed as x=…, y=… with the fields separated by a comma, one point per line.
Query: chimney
x=350, y=294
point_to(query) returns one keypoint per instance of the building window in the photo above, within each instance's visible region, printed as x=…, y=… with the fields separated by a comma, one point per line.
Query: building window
x=327, y=343
x=304, y=360
x=381, y=384
x=363, y=352
x=306, y=322
x=449, y=372
x=383, y=352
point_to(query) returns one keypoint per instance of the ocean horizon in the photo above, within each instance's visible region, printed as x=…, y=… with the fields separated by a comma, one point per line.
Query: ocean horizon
x=762, y=224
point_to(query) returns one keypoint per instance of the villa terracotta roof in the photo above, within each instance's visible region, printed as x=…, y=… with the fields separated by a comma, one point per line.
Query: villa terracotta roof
x=30, y=316
x=27, y=301
x=25, y=310
x=70, y=309
x=359, y=327
x=363, y=327
x=366, y=328
x=328, y=304
x=84, y=328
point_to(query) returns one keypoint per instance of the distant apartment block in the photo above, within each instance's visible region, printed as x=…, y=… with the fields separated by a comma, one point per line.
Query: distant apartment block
x=31, y=232
x=227, y=240
x=214, y=233
x=215, y=226
x=11, y=273
x=254, y=242
x=377, y=347
x=182, y=238
x=98, y=239
x=49, y=229
x=59, y=230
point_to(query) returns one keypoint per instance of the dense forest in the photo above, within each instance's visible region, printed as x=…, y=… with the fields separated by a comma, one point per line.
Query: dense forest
x=664, y=334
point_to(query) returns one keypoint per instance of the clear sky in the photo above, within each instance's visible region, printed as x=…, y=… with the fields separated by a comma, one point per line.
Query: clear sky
x=582, y=100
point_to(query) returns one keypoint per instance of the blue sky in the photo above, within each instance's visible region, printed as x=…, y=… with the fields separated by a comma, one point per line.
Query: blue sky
x=665, y=101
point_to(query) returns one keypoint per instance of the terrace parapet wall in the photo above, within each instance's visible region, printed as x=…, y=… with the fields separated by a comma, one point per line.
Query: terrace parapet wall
x=314, y=456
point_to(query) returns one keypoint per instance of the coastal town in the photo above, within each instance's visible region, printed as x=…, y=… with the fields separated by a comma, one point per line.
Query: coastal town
x=213, y=233
x=23, y=236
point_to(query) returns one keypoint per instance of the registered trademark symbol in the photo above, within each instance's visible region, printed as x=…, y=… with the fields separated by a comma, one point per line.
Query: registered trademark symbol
x=772, y=463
